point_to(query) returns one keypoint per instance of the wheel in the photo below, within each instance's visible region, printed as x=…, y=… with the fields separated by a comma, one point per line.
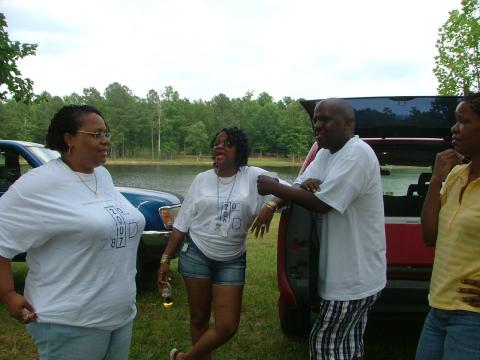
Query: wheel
x=294, y=321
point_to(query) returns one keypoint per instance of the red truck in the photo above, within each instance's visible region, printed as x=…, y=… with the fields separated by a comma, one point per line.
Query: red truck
x=406, y=133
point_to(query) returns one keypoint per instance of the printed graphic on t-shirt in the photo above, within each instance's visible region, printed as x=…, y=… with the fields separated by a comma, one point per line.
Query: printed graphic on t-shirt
x=230, y=214
x=125, y=230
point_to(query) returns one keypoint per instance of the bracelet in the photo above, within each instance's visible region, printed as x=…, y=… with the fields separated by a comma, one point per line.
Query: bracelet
x=271, y=205
x=165, y=259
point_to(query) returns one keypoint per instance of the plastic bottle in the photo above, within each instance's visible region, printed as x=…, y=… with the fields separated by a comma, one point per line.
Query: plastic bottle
x=166, y=295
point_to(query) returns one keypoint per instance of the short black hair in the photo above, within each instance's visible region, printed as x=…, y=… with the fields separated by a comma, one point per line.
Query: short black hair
x=474, y=101
x=67, y=120
x=237, y=138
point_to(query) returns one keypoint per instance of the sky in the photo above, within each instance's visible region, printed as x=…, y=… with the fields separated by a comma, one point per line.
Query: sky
x=302, y=49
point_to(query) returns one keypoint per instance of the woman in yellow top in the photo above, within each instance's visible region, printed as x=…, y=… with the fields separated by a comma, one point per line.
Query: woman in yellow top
x=451, y=222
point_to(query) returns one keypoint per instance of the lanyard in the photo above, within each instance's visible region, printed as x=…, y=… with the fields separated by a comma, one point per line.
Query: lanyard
x=219, y=208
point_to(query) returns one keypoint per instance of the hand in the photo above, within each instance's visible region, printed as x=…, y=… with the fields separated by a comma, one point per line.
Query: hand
x=473, y=300
x=312, y=185
x=163, y=275
x=261, y=224
x=266, y=184
x=19, y=307
x=444, y=161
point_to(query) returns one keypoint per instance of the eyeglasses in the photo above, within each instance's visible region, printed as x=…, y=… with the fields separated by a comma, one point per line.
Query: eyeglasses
x=225, y=143
x=97, y=135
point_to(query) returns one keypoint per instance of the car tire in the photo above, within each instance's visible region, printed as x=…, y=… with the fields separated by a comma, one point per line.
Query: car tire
x=294, y=321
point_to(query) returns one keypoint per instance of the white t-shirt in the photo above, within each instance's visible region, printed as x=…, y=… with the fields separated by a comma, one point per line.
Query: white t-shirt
x=81, y=250
x=352, y=263
x=209, y=203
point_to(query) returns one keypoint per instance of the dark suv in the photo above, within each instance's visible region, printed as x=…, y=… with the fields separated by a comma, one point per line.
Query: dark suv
x=405, y=133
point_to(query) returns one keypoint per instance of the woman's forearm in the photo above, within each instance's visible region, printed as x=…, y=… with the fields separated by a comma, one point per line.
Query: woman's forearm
x=6, y=278
x=430, y=211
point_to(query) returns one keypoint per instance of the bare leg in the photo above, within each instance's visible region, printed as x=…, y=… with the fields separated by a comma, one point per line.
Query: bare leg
x=200, y=303
x=227, y=303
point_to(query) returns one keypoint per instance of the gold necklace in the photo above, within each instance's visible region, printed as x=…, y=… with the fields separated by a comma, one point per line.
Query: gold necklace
x=95, y=192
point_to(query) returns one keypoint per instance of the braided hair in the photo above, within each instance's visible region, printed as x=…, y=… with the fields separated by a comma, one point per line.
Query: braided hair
x=237, y=138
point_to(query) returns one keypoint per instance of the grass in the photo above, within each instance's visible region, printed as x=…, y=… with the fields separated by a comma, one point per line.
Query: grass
x=157, y=330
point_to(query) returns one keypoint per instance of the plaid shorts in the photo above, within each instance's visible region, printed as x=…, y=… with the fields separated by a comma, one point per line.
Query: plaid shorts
x=338, y=331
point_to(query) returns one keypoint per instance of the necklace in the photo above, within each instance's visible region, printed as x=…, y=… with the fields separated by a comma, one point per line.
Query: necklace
x=94, y=192
x=226, y=180
x=220, y=210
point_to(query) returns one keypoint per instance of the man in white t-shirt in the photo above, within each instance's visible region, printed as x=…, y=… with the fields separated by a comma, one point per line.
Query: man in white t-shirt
x=343, y=183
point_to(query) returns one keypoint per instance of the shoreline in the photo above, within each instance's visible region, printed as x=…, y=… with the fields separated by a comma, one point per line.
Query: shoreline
x=204, y=161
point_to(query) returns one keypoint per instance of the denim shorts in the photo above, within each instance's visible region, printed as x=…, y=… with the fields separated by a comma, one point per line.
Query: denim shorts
x=193, y=263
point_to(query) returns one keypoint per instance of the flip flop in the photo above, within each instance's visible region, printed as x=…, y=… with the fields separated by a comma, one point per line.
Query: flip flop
x=173, y=353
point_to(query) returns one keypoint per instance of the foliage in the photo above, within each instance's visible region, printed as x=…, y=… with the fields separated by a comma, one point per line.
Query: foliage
x=166, y=125
x=458, y=59
x=10, y=53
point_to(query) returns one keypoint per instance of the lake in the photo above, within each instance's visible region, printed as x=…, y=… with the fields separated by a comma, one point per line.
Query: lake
x=177, y=178
x=174, y=178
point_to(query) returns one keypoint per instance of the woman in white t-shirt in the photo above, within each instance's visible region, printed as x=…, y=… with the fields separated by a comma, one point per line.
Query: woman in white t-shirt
x=81, y=237
x=220, y=206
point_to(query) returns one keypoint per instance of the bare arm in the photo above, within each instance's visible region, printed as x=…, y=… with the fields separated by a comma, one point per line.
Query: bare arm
x=172, y=247
x=297, y=194
x=264, y=217
x=16, y=304
x=261, y=224
x=444, y=161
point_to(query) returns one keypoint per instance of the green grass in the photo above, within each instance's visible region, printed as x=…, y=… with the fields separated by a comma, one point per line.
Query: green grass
x=157, y=330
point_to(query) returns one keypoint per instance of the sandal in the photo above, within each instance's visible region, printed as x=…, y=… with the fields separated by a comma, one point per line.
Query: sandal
x=173, y=353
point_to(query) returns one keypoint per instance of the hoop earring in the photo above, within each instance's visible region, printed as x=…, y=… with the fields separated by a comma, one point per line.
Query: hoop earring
x=69, y=148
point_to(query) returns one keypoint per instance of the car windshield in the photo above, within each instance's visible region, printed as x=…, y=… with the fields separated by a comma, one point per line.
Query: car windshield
x=44, y=154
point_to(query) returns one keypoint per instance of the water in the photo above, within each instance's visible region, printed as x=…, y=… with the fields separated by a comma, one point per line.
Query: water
x=400, y=177
x=177, y=179
x=173, y=178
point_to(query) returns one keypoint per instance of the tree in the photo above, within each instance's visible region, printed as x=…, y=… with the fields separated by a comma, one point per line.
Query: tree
x=120, y=113
x=458, y=59
x=10, y=53
x=153, y=103
x=197, y=138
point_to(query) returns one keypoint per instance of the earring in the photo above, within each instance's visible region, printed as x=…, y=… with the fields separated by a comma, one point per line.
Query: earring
x=69, y=148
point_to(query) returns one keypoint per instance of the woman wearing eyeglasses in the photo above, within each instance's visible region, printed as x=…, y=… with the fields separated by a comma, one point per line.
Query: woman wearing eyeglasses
x=81, y=237
x=220, y=206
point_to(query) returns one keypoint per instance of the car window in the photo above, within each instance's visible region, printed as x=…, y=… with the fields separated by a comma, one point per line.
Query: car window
x=12, y=166
x=402, y=180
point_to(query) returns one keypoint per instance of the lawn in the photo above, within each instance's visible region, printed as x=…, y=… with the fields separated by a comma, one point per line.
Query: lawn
x=157, y=330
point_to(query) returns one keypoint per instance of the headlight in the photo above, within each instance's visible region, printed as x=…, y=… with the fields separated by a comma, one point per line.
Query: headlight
x=168, y=214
